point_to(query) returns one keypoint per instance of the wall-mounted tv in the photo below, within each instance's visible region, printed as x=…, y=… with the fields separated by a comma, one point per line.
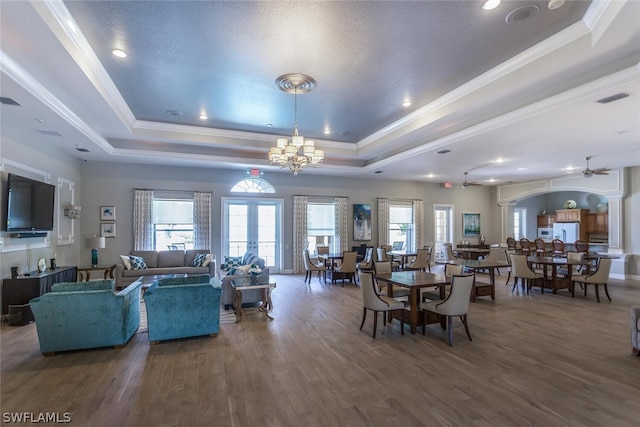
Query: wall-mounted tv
x=30, y=204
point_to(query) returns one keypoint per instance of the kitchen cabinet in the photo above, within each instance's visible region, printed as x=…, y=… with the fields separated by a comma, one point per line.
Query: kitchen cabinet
x=546, y=221
x=572, y=215
x=598, y=223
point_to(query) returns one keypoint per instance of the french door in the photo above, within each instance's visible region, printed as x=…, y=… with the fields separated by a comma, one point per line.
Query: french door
x=254, y=226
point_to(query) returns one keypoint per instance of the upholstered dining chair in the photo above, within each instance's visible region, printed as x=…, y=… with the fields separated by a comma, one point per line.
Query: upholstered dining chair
x=456, y=304
x=572, y=256
x=347, y=269
x=310, y=267
x=525, y=246
x=449, y=255
x=382, y=257
x=521, y=270
x=600, y=277
x=512, y=245
x=385, y=267
x=377, y=303
x=420, y=262
x=367, y=263
x=557, y=247
x=432, y=294
x=541, y=247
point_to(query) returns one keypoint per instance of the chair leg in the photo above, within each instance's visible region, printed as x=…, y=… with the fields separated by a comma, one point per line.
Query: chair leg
x=515, y=283
x=597, y=285
x=606, y=291
x=364, y=316
x=508, y=277
x=402, y=322
x=450, y=331
x=423, y=322
x=375, y=323
x=466, y=326
x=306, y=276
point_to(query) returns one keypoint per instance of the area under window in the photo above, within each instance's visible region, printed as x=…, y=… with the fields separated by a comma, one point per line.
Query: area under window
x=320, y=225
x=401, y=227
x=173, y=224
x=253, y=185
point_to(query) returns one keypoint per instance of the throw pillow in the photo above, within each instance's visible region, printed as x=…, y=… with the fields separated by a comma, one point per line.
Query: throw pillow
x=207, y=260
x=241, y=270
x=126, y=261
x=230, y=262
x=137, y=263
x=198, y=260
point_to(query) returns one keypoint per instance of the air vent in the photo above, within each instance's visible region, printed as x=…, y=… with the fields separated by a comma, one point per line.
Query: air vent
x=174, y=112
x=50, y=132
x=82, y=150
x=378, y=171
x=612, y=98
x=443, y=151
x=8, y=101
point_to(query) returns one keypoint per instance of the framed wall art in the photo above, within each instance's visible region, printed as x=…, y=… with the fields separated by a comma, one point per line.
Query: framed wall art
x=361, y=222
x=470, y=224
x=108, y=229
x=107, y=213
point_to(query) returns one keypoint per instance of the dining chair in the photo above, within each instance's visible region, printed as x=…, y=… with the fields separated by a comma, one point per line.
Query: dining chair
x=449, y=255
x=367, y=263
x=599, y=277
x=347, y=269
x=310, y=267
x=385, y=267
x=525, y=246
x=420, y=262
x=430, y=249
x=397, y=246
x=576, y=269
x=541, y=247
x=433, y=294
x=521, y=270
x=557, y=247
x=581, y=246
x=382, y=256
x=377, y=303
x=512, y=245
x=456, y=304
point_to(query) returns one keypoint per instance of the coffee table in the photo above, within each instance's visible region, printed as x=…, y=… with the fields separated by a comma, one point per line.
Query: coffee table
x=245, y=284
x=148, y=281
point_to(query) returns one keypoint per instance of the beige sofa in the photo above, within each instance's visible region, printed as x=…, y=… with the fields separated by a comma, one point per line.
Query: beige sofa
x=164, y=262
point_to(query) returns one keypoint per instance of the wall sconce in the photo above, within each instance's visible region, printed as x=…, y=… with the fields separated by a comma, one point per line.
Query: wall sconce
x=72, y=211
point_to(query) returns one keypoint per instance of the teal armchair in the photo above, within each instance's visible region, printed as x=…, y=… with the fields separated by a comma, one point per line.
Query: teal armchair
x=81, y=315
x=183, y=307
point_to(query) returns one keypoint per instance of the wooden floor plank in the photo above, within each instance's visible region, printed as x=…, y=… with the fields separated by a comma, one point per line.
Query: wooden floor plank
x=535, y=359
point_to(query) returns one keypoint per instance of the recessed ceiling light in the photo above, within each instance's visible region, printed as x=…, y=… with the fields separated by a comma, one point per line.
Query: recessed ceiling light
x=555, y=4
x=327, y=131
x=523, y=169
x=406, y=103
x=203, y=117
x=174, y=112
x=499, y=160
x=430, y=175
x=119, y=53
x=490, y=4
x=491, y=180
x=570, y=168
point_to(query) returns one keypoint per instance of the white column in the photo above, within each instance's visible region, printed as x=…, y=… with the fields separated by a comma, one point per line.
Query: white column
x=506, y=227
x=616, y=243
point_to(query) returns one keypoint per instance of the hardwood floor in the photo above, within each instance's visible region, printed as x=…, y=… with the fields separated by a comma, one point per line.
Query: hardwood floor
x=546, y=360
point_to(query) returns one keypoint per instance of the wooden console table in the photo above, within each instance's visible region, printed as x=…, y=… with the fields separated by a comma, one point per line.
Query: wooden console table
x=240, y=285
x=23, y=288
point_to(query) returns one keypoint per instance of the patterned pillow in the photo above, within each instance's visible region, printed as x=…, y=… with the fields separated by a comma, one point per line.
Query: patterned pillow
x=231, y=262
x=207, y=260
x=137, y=263
x=198, y=260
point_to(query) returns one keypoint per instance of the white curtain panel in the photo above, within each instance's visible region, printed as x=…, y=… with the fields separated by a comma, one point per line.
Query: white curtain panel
x=342, y=224
x=202, y=220
x=418, y=223
x=142, y=220
x=299, y=232
x=383, y=221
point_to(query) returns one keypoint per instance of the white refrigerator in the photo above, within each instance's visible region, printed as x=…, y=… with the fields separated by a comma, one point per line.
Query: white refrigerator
x=568, y=232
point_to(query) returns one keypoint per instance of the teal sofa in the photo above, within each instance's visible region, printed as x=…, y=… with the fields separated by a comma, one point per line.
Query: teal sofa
x=81, y=315
x=183, y=307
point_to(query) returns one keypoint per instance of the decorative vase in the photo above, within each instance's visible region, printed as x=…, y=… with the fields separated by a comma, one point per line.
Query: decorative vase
x=42, y=265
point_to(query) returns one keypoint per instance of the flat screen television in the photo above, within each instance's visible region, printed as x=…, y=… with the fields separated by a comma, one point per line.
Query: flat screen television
x=30, y=205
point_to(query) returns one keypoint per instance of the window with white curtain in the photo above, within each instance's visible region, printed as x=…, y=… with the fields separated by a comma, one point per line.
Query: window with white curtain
x=401, y=225
x=320, y=225
x=172, y=223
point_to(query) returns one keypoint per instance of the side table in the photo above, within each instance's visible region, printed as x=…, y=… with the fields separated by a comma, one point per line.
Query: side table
x=84, y=273
x=245, y=284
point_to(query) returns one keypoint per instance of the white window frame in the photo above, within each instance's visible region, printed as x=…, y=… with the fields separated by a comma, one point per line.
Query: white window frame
x=438, y=247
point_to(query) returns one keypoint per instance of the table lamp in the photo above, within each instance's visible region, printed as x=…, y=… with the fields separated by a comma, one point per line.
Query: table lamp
x=94, y=243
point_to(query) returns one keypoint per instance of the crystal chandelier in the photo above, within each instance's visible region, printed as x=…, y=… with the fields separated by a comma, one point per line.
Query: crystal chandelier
x=298, y=152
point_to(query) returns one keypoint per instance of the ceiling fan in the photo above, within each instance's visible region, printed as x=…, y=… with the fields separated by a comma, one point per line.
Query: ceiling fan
x=466, y=183
x=588, y=173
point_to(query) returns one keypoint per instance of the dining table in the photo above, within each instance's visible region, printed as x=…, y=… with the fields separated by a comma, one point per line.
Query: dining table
x=555, y=282
x=402, y=256
x=471, y=253
x=481, y=288
x=330, y=262
x=414, y=281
